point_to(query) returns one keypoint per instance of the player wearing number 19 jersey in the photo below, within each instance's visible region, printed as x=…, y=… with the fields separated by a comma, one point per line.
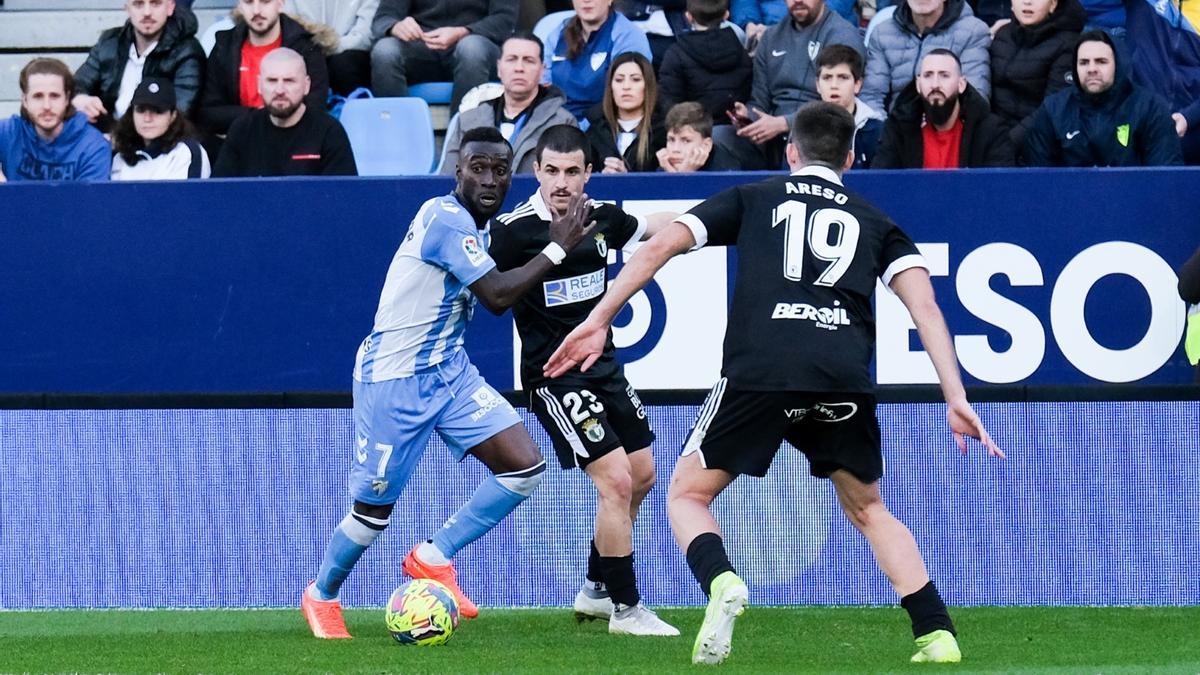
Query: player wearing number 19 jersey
x=796, y=365
x=595, y=419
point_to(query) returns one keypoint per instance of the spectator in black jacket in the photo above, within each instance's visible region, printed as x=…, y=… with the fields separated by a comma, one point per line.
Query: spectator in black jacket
x=630, y=133
x=158, y=40
x=231, y=83
x=288, y=137
x=1032, y=58
x=1104, y=120
x=941, y=122
x=438, y=40
x=708, y=65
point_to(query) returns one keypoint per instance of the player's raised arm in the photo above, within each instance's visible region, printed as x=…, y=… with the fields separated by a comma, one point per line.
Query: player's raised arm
x=913, y=287
x=585, y=344
x=500, y=290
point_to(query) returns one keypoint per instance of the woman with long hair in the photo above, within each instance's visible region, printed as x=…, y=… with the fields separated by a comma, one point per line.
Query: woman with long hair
x=154, y=141
x=631, y=132
x=579, y=52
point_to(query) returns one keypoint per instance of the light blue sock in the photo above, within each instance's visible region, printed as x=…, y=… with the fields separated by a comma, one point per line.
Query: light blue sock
x=350, y=539
x=495, y=498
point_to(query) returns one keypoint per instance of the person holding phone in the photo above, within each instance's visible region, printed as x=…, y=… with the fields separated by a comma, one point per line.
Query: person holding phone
x=785, y=77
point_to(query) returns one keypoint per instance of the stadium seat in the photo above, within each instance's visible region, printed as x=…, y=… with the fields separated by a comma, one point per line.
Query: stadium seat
x=434, y=93
x=546, y=25
x=390, y=136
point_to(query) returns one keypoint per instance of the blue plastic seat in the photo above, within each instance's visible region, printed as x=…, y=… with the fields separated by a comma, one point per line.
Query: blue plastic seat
x=434, y=93
x=390, y=136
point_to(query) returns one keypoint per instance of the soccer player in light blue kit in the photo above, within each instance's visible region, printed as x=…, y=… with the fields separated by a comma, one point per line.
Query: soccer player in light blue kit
x=412, y=377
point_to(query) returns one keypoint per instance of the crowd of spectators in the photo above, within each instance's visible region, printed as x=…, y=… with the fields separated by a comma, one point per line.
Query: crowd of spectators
x=674, y=86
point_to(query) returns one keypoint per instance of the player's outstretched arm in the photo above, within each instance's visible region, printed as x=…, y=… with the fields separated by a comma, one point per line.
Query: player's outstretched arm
x=500, y=290
x=658, y=221
x=585, y=344
x=913, y=287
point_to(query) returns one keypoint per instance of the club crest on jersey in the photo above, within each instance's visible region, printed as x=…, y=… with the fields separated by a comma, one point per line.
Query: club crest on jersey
x=379, y=486
x=473, y=250
x=601, y=245
x=593, y=430
x=814, y=48
x=598, y=60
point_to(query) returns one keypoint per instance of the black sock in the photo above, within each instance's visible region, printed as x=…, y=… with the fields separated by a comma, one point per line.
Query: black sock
x=927, y=611
x=595, y=573
x=621, y=580
x=707, y=558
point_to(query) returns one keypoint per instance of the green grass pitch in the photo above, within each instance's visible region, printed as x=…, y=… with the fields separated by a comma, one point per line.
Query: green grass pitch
x=767, y=640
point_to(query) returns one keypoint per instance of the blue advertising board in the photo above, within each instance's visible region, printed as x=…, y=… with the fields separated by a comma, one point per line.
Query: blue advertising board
x=1045, y=277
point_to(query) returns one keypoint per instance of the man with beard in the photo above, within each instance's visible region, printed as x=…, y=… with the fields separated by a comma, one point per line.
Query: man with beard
x=1104, y=120
x=941, y=122
x=158, y=40
x=785, y=77
x=49, y=140
x=412, y=377
x=231, y=82
x=288, y=137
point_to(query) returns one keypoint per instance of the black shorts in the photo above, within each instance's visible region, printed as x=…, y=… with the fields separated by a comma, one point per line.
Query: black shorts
x=587, y=419
x=740, y=431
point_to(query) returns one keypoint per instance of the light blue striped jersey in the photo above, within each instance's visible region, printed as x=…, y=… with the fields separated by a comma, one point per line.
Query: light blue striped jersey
x=425, y=304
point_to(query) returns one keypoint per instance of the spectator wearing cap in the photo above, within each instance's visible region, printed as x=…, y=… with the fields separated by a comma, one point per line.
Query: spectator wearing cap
x=157, y=40
x=154, y=141
x=287, y=137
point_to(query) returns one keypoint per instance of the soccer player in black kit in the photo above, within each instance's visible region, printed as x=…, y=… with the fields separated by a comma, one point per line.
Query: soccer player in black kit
x=796, y=365
x=595, y=419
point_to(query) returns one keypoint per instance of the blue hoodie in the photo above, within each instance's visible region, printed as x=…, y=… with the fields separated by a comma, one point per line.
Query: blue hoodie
x=79, y=153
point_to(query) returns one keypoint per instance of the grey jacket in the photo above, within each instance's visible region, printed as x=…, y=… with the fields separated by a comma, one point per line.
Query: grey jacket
x=785, y=76
x=547, y=111
x=896, y=50
x=350, y=19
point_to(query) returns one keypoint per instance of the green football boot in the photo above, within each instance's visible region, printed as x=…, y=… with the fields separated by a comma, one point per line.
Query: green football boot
x=937, y=647
x=726, y=603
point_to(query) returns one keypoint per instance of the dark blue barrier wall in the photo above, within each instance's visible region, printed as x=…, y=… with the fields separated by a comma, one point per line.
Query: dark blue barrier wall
x=231, y=286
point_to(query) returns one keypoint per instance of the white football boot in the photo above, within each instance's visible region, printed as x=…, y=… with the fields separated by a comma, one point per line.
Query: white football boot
x=638, y=620
x=592, y=602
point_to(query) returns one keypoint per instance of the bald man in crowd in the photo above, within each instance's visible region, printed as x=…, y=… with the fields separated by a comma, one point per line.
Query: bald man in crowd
x=286, y=137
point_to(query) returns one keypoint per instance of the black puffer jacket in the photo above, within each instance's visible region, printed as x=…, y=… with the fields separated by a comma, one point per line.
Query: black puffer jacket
x=707, y=66
x=222, y=102
x=984, y=140
x=178, y=57
x=1030, y=63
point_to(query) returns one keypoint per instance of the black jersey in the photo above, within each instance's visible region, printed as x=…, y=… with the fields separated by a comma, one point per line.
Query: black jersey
x=809, y=252
x=551, y=310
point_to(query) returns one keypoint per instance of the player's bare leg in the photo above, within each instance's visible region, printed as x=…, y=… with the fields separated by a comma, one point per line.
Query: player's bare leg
x=517, y=468
x=641, y=470
x=613, y=476
x=693, y=488
x=897, y=555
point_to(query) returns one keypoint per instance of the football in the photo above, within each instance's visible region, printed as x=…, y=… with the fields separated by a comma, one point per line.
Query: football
x=422, y=612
